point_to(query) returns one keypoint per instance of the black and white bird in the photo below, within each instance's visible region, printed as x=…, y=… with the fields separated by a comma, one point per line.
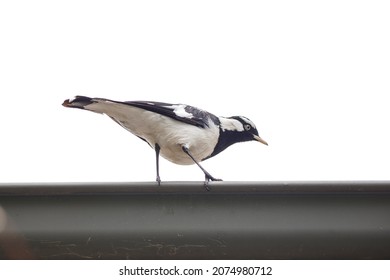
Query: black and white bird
x=180, y=133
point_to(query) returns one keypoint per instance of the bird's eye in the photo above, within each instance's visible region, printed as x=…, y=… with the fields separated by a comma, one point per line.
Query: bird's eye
x=247, y=127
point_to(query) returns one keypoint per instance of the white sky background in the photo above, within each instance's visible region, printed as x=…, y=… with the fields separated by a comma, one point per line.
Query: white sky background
x=313, y=75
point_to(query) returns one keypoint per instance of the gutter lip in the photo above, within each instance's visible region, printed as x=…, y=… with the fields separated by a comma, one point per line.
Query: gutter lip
x=196, y=187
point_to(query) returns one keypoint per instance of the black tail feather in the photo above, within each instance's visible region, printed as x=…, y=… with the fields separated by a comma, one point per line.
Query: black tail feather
x=78, y=102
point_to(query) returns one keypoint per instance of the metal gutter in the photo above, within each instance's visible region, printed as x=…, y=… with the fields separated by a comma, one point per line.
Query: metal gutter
x=180, y=220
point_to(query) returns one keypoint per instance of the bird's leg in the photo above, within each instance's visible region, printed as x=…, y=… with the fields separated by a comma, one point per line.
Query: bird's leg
x=157, y=149
x=207, y=175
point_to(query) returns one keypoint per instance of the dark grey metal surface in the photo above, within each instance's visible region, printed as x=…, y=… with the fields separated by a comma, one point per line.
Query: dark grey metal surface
x=236, y=220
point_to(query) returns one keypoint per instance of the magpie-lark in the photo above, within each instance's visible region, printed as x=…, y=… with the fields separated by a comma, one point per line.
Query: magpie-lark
x=181, y=133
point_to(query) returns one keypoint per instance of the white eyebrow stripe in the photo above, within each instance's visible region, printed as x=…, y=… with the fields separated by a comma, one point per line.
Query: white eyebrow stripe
x=248, y=121
x=231, y=124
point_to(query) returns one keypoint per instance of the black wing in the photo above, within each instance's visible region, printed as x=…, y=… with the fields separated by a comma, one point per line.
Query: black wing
x=188, y=114
x=180, y=112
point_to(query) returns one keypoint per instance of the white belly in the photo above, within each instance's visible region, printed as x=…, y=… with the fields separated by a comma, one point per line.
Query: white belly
x=171, y=135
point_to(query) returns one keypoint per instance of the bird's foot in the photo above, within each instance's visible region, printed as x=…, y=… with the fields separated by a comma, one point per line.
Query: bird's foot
x=158, y=180
x=209, y=178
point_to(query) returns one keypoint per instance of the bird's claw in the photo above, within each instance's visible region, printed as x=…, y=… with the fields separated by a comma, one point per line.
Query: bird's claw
x=209, y=178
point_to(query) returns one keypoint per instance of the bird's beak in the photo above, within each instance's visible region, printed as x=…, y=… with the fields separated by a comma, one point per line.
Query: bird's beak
x=261, y=140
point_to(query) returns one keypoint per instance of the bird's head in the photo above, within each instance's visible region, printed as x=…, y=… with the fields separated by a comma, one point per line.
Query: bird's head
x=242, y=128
